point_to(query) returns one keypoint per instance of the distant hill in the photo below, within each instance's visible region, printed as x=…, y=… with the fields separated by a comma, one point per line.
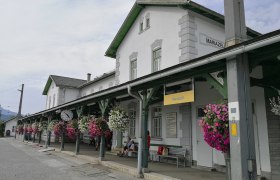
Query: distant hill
x=6, y=114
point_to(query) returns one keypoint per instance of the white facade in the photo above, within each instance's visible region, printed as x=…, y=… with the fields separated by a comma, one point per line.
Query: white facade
x=57, y=95
x=11, y=126
x=183, y=35
x=52, y=96
x=179, y=42
x=98, y=86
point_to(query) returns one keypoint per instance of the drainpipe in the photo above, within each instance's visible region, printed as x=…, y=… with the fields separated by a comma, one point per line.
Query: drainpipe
x=140, y=144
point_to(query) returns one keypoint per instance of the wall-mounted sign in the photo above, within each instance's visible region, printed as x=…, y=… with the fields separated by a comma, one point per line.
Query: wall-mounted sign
x=234, y=129
x=171, y=125
x=233, y=111
x=206, y=40
x=178, y=98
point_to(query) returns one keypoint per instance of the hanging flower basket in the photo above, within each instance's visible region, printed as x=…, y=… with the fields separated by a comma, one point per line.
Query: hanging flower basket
x=51, y=125
x=83, y=124
x=99, y=127
x=42, y=126
x=72, y=129
x=118, y=119
x=275, y=105
x=58, y=128
x=35, y=128
x=20, y=129
x=215, y=126
x=29, y=128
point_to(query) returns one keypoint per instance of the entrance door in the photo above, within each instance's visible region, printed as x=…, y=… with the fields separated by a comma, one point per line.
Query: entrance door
x=204, y=151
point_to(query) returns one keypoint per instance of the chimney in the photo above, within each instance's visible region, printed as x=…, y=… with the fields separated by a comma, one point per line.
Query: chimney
x=88, y=77
x=235, y=28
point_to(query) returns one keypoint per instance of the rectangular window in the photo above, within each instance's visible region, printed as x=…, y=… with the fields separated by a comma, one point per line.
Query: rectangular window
x=147, y=23
x=156, y=122
x=133, y=69
x=156, y=59
x=50, y=101
x=53, y=100
x=132, y=119
x=141, y=28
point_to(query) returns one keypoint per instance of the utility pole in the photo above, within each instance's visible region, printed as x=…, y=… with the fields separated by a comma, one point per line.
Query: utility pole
x=242, y=145
x=20, y=102
x=20, y=105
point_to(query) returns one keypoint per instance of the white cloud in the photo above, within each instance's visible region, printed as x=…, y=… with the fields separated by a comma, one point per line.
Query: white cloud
x=62, y=37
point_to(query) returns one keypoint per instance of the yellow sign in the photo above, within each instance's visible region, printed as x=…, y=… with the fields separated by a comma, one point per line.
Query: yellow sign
x=234, y=129
x=178, y=98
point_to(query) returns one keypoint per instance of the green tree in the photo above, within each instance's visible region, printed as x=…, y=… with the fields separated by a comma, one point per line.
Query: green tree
x=2, y=128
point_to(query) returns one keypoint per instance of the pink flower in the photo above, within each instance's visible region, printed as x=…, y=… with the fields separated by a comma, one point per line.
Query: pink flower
x=216, y=133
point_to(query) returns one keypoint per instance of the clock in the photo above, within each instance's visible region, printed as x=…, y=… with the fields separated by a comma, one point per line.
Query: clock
x=66, y=115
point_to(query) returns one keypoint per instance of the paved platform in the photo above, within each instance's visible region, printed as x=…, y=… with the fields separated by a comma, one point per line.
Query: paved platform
x=158, y=171
x=129, y=165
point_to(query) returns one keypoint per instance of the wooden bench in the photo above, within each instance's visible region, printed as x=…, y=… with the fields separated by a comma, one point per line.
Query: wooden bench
x=177, y=154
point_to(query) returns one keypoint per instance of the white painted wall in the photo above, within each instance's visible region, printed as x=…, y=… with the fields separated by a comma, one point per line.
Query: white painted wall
x=163, y=25
x=53, y=90
x=203, y=96
x=71, y=94
x=9, y=126
x=257, y=94
x=95, y=87
x=62, y=95
x=213, y=29
x=163, y=139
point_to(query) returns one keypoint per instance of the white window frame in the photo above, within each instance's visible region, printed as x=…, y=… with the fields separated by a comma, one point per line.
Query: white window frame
x=141, y=26
x=50, y=101
x=148, y=23
x=53, y=100
x=133, y=70
x=156, y=127
x=132, y=122
x=156, y=60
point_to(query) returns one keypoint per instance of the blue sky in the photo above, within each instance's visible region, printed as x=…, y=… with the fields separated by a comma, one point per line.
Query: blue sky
x=69, y=38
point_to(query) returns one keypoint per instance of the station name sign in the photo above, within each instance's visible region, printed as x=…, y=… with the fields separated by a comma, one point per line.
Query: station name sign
x=206, y=40
x=178, y=98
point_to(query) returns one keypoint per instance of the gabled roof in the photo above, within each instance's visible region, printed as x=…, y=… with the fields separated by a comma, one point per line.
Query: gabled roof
x=61, y=81
x=103, y=76
x=140, y=4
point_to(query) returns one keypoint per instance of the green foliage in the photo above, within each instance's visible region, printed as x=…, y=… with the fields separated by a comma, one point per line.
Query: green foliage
x=2, y=129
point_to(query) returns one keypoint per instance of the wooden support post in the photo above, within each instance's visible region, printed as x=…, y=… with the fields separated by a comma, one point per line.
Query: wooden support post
x=103, y=104
x=40, y=137
x=146, y=97
x=24, y=126
x=79, y=111
x=40, y=132
x=62, y=138
x=48, y=138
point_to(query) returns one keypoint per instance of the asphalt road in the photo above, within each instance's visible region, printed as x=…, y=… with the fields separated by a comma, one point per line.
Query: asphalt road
x=19, y=161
